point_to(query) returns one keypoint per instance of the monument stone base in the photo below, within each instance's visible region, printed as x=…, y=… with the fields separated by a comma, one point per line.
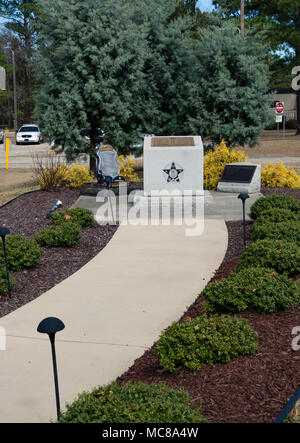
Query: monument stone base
x=241, y=177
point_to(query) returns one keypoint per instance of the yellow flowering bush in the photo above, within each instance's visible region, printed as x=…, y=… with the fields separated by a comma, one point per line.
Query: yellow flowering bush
x=279, y=176
x=127, y=168
x=63, y=175
x=215, y=162
x=75, y=175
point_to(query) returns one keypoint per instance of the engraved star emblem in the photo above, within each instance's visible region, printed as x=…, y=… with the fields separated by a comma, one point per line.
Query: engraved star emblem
x=174, y=173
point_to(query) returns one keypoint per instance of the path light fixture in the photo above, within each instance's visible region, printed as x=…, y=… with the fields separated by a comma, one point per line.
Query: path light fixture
x=51, y=326
x=58, y=204
x=3, y=233
x=243, y=196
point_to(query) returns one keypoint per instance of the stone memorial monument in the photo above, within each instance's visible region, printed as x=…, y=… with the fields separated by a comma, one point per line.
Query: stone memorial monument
x=241, y=177
x=173, y=164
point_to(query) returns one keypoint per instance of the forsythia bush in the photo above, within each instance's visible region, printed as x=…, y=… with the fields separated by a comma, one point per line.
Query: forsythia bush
x=215, y=162
x=70, y=176
x=127, y=168
x=279, y=176
x=75, y=175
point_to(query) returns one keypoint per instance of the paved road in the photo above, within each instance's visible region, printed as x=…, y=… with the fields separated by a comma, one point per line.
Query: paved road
x=22, y=156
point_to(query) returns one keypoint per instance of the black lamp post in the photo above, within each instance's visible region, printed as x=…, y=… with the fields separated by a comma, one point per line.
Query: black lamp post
x=51, y=326
x=243, y=196
x=3, y=233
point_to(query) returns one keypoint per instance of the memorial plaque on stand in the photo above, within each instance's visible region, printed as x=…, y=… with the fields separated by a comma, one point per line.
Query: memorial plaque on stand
x=238, y=173
x=241, y=177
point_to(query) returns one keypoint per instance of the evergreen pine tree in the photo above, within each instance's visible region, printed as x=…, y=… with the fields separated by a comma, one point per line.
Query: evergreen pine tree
x=90, y=72
x=229, y=99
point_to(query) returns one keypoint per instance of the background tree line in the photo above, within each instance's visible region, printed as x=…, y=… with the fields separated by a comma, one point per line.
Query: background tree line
x=133, y=67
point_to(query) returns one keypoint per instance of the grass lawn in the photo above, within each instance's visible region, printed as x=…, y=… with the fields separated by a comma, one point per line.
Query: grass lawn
x=272, y=146
x=14, y=182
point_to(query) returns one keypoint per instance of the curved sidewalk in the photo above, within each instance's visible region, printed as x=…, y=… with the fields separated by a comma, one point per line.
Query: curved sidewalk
x=114, y=308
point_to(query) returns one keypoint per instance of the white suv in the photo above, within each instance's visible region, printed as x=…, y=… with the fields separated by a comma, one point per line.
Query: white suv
x=28, y=134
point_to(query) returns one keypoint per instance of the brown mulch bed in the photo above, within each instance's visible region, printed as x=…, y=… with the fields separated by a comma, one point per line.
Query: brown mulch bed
x=283, y=191
x=26, y=216
x=251, y=389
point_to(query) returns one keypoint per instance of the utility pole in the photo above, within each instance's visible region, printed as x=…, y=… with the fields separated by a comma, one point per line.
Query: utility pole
x=243, y=18
x=15, y=91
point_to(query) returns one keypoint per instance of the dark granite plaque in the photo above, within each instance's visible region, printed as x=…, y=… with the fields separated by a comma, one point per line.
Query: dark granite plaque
x=238, y=174
x=164, y=142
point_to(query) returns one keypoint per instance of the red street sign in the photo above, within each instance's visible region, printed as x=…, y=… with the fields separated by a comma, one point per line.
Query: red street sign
x=279, y=107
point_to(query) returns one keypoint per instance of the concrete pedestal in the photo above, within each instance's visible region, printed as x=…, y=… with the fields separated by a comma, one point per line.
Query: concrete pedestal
x=173, y=164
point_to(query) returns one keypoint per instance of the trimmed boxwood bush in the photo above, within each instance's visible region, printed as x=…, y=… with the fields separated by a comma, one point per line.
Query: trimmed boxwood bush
x=274, y=201
x=3, y=281
x=277, y=215
x=22, y=252
x=133, y=403
x=82, y=217
x=259, y=288
x=279, y=255
x=64, y=235
x=205, y=340
x=288, y=231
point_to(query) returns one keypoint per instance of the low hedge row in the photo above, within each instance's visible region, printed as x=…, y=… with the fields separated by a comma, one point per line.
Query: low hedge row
x=286, y=230
x=66, y=228
x=82, y=217
x=133, y=403
x=205, y=340
x=282, y=256
x=3, y=281
x=274, y=201
x=22, y=252
x=277, y=215
x=259, y=288
x=64, y=235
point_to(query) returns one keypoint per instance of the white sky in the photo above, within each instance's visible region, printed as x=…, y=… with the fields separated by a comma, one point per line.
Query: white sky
x=205, y=5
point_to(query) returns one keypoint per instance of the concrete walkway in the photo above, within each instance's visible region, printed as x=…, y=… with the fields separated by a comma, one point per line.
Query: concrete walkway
x=216, y=205
x=114, y=308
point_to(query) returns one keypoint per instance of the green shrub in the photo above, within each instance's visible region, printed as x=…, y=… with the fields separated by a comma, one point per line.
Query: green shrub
x=133, y=403
x=258, y=288
x=22, y=252
x=3, y=281
x=274, y=201
x=205, y=340
x=82, y=217
x=64, y=235
x=276, y=215
x=288, y=231
x=279, y=255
